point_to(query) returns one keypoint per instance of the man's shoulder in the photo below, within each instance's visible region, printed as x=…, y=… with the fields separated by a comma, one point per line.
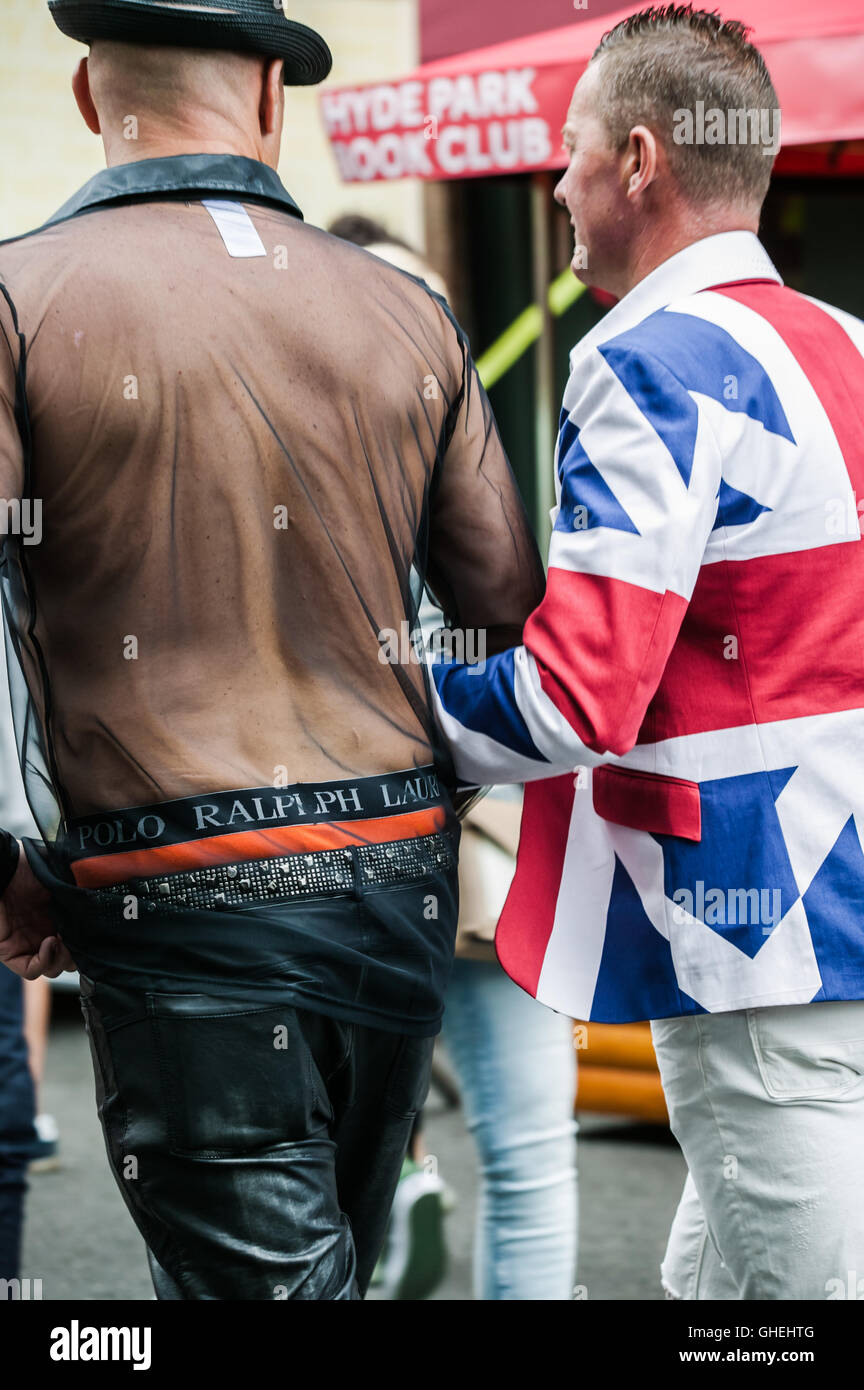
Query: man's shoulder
x=852, y=325
x=16, y=263
x=700, y=332
x=731, y=308
x=754, y=319
x=17, y=249
x=743, y=340
x=689, y=344
x=688, y=322
x=29, y=260
x=650, y=353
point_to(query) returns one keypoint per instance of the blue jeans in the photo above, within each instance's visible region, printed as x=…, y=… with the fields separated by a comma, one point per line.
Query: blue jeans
x=17, y=1109
x=517, y=1070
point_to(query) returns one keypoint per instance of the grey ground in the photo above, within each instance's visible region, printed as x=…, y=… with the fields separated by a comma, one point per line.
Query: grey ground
x=81, y=1242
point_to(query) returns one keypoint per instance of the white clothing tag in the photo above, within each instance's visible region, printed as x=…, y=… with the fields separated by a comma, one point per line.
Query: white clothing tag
x=235, y=227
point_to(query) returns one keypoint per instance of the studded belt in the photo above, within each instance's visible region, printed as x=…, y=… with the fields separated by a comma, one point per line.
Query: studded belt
x=283, y=878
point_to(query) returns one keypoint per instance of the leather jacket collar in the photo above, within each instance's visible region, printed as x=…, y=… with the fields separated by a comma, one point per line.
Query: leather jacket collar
x=178, y=177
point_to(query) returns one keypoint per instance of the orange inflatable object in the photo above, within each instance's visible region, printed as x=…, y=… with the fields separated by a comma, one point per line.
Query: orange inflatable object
x=617, y=1072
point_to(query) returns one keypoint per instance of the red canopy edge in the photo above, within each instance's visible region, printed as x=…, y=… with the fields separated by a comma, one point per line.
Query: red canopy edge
x=500, y=110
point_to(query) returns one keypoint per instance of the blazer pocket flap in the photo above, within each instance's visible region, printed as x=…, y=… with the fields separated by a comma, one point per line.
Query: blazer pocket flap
x=647, y=801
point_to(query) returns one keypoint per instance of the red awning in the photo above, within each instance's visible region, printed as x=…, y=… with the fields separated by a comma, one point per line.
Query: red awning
x=500, y=110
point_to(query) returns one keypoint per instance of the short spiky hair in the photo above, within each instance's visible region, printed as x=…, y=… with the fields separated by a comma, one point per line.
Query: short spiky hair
x=663, y=62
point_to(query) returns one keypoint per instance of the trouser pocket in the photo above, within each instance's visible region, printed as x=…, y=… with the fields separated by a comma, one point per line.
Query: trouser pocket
x=235, y=1077
x=809, y=1051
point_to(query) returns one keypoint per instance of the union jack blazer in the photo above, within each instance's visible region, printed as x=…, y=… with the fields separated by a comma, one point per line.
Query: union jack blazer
x=688, y=704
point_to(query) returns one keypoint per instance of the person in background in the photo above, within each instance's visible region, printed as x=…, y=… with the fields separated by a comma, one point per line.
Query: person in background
x=17, y=1132
x=516, y=1065
x=37, y=1021
x=514, y=1059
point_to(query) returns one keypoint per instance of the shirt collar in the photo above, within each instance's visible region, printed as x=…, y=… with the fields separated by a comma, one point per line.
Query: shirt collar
x=715, y=260
x=180, y=176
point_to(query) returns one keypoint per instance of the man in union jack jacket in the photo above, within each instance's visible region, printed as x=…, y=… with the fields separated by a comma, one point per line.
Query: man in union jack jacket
x=692, y=685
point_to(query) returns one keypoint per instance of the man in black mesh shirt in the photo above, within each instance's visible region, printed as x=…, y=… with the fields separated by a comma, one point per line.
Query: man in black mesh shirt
x=252, y=444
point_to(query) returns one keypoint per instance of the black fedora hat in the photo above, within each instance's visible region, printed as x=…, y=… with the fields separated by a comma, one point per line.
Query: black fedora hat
x=244, y=26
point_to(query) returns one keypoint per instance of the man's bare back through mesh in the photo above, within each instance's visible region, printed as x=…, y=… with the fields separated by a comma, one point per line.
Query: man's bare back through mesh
x=240, y=461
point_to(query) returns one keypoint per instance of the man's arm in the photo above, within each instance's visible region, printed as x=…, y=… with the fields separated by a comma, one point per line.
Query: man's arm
x=638, y=482
x=11, y=350
x=29, y=943
x=484, y=567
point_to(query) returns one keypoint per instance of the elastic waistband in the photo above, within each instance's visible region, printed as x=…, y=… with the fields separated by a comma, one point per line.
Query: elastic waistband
x=259, y=823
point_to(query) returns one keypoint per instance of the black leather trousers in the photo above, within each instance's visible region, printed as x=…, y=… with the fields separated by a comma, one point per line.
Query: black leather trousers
x=256, y=1145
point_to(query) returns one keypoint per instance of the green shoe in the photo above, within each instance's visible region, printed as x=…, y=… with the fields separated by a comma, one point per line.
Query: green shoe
x=414, y=1261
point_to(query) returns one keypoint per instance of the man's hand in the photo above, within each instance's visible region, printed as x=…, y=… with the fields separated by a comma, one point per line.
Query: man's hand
x=29, y=943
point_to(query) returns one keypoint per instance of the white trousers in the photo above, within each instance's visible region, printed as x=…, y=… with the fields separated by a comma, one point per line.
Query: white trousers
x=768, y=1107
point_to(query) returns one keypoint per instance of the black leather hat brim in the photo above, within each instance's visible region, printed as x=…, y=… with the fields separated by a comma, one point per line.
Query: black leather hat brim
x=306, y=56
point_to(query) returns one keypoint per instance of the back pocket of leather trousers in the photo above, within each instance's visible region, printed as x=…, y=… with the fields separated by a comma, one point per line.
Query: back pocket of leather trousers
x=235, y=1077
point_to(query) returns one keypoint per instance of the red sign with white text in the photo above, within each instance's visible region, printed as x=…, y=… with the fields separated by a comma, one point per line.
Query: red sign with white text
x=450, y=126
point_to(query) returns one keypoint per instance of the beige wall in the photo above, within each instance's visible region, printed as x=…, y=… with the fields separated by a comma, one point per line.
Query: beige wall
x=47, y=152
x=370, y=40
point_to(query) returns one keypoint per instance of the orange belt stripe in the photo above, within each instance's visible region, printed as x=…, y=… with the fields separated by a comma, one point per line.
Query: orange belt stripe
x=103, y=870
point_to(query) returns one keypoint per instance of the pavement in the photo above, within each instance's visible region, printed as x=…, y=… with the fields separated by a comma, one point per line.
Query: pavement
x=80, y=1240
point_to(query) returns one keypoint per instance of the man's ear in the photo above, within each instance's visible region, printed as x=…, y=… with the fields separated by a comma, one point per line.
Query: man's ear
x=81, y=88
x=272, y=106
x=641, y=160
